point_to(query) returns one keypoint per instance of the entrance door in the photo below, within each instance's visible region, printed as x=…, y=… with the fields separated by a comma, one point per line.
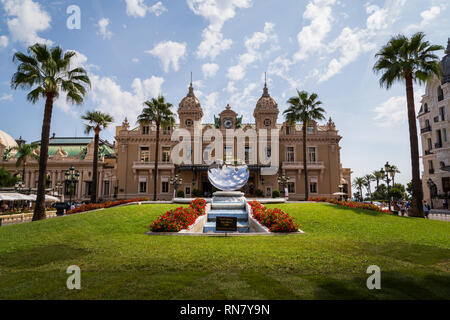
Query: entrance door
x=207, y=189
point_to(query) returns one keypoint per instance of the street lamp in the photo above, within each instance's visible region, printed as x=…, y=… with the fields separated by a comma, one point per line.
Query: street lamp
x=283, y=180
x=58, y=188
x=385, y=173
x=176, y=181
x=71, y=178
x=431, y=186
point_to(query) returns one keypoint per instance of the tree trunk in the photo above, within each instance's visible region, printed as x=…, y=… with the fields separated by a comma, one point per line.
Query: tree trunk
x=95, y=167
x=155, y=181
x=305, y=165
x=23, y=174
x=39, y=209
x=417, y=196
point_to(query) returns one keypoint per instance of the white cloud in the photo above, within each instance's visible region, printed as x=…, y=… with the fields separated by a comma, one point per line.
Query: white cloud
x=135, y=60
x=4, y=41
x=138, y=8
x=25, y=20
x=427, y=17
x=253, y=44
x=157, y=9
x=310, y=38
x=103, y=28
x=6, y=97
x=394, y=111
x=216, y=12
x=210, y=69
x=169, y=53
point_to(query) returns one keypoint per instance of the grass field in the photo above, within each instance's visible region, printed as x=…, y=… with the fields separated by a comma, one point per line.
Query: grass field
x=119, y=261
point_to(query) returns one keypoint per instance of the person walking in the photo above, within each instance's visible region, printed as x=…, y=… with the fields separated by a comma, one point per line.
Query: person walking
x=426, y=209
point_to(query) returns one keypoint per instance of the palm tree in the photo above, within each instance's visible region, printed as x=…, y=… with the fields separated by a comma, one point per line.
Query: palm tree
x=157, y=112
x=358, y=183
x=97, y=121
x=394, y=170
x=409, y=60
x=377, y=176
x=304, y=108
x=48, y=72
x=24, y=153
x=368, y=178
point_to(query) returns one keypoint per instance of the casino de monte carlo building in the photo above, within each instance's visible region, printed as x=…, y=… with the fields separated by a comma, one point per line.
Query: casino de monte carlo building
x=135, y=154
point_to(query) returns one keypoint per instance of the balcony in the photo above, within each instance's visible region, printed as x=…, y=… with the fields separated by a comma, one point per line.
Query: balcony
x=438, y=145
x=440, y=97
x=426, y=129
x=318, y=165
x=431, y=171
x=436, y=119
x=428, y=152
x=138, y=165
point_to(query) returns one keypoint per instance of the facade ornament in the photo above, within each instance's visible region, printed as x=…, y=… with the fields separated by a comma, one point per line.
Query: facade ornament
x=125, y=124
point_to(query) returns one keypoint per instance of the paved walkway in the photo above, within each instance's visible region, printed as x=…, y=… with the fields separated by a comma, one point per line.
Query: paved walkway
x=440, y=214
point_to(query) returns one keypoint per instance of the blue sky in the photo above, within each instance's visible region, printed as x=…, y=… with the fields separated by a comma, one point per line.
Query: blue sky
x=136, y=49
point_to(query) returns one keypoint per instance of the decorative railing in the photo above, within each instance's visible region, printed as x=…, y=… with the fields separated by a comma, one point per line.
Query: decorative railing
x=426, y=129
x=8, y=219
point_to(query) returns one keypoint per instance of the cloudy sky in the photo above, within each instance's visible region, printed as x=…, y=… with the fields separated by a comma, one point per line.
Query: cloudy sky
x=136, y=49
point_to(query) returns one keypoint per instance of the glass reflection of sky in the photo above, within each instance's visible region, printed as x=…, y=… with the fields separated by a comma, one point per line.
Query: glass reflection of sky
x=228, y=178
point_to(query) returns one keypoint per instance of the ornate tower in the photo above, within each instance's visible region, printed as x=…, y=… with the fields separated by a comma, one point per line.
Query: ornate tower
x=266, y=111
x=189, y=110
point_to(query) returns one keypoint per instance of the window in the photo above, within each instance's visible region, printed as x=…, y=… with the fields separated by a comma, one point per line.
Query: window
x=310, y=130
x=430, y=166
x=290, y=155
x=166, y=131
x=143, y=186
x=291, y=187
x=165, y=154
x=228, y=152
x=268, y=152
x=427, y=123
x=88, y=188
x=187, y=191
x=106, y=188
x=247, y=154
x=165, y=187
x=442, y=113
x=188, y=150
x=430, y=144
x=145, y=154
x=268, y=191
x=444, y=131
x=288, y=130
x=426, y=108
x=313, y=185
x=145, y=130
x=440, y=93
x=312, y=154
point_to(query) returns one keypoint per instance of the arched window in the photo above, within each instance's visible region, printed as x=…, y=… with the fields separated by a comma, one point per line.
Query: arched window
x=426, y=108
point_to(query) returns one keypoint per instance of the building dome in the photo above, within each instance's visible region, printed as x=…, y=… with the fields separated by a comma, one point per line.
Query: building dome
x=265, y=103
x=190, y=103
x=446, y=65
x=6, y=140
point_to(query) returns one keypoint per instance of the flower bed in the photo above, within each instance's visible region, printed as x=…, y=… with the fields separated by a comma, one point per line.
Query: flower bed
x=109, y=204
x=180, y=218
x=350, y=204
x=275, y=220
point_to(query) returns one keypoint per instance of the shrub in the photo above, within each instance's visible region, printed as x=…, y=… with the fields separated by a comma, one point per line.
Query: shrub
x=259, y=193
x=180, y=194
x=180, y=218
x=197, y=193
x=275, y=194
x=275, y=219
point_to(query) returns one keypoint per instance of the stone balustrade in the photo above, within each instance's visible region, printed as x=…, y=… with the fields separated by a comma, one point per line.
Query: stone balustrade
x=21, y=217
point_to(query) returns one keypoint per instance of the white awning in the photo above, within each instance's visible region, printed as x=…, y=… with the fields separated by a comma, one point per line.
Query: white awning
x=14, y=196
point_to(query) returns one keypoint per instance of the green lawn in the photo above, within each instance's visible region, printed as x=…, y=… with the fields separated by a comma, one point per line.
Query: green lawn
x=119, y=261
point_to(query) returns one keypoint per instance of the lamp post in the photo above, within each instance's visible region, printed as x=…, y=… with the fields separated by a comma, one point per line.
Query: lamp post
x=59, y=187
x=431, y=186
x=71, y=177
x=176, y=181
x=283, y=180
x=387, y=172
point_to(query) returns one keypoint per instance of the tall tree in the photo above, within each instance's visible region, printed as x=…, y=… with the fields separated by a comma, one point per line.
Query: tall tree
x=97, y=121
x=47, y=72
x=408, y=61
x=358, y=183
x=368, y=178
x=394, y=170
x=304, y=108
x=24, y=153
x=157, y=112
x=377, y=176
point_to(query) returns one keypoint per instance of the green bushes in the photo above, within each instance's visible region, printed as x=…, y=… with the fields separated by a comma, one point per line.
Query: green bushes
x=275, y=194
x=180, y=194
x=259, y=193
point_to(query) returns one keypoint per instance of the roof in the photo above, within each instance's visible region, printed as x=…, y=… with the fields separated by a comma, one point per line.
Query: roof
x=6, y=140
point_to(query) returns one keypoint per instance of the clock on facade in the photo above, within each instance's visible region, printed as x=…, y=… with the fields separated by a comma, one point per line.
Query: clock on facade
x=189, y=123
x=228, y=123
x=267, y=122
